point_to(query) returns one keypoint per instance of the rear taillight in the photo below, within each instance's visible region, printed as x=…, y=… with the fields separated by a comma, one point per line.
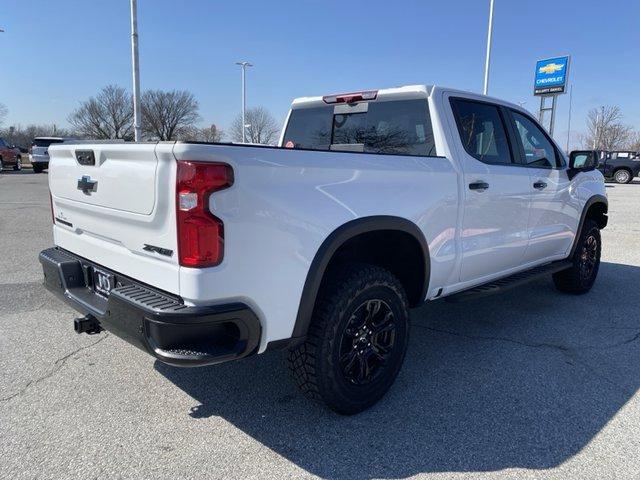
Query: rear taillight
x=200, y=233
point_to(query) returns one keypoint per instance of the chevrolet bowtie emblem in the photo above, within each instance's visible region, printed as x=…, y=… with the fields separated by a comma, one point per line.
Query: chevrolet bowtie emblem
x=87, y=185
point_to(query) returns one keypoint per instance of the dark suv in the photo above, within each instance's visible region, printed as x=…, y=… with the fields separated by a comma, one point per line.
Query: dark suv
x=621, y=167
x=9, y=156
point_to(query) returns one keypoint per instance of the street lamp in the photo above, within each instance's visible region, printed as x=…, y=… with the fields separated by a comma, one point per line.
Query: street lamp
x=136, y=71
x=244, y=66
x=487, y=59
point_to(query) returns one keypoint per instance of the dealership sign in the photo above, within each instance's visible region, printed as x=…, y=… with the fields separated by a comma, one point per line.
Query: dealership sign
x=551, y=76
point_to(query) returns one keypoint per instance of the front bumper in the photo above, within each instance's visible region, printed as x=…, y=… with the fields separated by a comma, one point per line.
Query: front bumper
x=155, y=321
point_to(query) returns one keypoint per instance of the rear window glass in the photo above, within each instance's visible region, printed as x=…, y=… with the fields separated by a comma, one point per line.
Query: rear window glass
x=44, y=142
x=395, y=127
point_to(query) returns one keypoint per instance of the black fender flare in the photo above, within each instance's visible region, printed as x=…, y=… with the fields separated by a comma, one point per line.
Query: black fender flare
x=592, y=201
x=333, y=242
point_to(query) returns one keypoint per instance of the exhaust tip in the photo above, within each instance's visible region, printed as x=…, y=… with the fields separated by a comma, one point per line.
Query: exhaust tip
x=87, y=324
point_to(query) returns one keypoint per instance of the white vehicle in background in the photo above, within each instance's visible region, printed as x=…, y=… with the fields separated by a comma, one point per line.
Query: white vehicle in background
x=39, y=152
x=376, y=202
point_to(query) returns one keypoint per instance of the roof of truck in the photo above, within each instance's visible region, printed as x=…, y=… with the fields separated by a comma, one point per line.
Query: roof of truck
x=53, y=138
x=394, y=93
x=398, y=93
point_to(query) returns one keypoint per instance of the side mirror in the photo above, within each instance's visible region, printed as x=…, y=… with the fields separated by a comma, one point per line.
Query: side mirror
x=581, y=161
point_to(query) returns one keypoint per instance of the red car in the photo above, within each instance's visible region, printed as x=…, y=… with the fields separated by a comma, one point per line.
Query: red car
x=9, y=156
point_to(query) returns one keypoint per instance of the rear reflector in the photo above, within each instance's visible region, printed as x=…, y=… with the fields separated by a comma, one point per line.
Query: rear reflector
x=351, y=97
x=200, y=233
x=53, y=217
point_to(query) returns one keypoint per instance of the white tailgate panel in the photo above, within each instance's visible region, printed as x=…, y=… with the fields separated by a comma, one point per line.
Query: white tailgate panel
x=125, y=173
x=110, y=235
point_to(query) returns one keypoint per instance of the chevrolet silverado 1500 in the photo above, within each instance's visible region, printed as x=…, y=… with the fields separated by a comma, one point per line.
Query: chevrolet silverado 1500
x=375, y=202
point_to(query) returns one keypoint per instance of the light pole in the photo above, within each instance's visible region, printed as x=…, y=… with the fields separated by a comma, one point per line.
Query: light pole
x=136, y=71
x=596, y=135
x=488, y=57
x=569, y=122
x=244, y=66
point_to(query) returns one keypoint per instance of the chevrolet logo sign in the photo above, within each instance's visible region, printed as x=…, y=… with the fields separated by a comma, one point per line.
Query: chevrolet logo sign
x=87, y=185
x=551, y=68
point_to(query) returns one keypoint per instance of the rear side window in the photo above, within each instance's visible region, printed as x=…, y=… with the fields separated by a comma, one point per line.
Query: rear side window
x=482, y=131
x=400, y=127
x=39, y=142
x=310, y=128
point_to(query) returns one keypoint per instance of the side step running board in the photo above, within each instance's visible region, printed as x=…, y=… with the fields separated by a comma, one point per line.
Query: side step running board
x=515, y=280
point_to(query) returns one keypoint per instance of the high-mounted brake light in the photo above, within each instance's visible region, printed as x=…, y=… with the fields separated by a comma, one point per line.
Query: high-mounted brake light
x=200, y=233
x=351, y=97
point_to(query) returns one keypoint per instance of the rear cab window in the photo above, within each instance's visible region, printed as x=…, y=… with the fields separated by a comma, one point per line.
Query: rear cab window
x=392, y=127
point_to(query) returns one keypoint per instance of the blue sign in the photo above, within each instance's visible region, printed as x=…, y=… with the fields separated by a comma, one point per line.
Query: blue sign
x=551, y=76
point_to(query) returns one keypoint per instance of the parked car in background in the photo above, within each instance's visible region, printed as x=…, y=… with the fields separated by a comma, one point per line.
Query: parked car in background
x=9, y=156
x=39, y=155
x=621, y=167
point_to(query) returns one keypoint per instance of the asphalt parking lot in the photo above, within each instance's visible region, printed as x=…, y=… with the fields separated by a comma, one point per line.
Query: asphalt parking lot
x=530, y=384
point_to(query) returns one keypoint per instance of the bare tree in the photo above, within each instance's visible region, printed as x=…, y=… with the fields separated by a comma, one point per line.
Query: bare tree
x=168, y=115
x=262, y=127
x=107, y=115
x=634, y=142
x=23, y=136
x=211, y=134
x=3, y=113
x=605, y=129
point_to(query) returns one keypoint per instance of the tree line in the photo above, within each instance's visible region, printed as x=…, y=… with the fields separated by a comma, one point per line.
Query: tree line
x=606, y=131
x=174, y=115
x=166, y=115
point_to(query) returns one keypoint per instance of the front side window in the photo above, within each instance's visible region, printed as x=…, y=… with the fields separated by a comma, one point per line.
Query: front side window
x=398, y=127
x=538, y=149
x=482, y=131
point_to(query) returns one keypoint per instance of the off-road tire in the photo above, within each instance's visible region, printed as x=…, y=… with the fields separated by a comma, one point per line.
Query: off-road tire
x=316, y=364
x=574, y=279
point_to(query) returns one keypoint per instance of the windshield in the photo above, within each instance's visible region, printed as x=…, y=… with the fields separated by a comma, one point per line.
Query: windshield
x=400, y=127
x=45, y=142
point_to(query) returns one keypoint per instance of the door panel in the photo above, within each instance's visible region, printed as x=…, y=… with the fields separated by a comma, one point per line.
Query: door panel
x=494, y=234
x=550, y=219
x=494, y=228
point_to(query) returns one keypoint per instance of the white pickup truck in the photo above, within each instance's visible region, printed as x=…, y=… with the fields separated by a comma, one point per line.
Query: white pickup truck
x=375, y=202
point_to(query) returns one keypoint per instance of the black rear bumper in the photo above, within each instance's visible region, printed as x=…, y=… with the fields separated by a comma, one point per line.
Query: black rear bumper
x=156, y=322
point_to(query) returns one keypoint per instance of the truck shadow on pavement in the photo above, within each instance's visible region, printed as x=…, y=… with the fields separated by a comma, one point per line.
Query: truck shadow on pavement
x=521, y=380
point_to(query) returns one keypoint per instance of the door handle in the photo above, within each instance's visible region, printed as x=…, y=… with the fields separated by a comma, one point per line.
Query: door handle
x=481, y=186
x=539, y=185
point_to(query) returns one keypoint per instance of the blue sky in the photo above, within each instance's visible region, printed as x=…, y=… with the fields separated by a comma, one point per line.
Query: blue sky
x=57, y=53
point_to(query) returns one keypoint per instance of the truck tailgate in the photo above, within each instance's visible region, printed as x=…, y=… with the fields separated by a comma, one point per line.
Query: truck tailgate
x=114, y=205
